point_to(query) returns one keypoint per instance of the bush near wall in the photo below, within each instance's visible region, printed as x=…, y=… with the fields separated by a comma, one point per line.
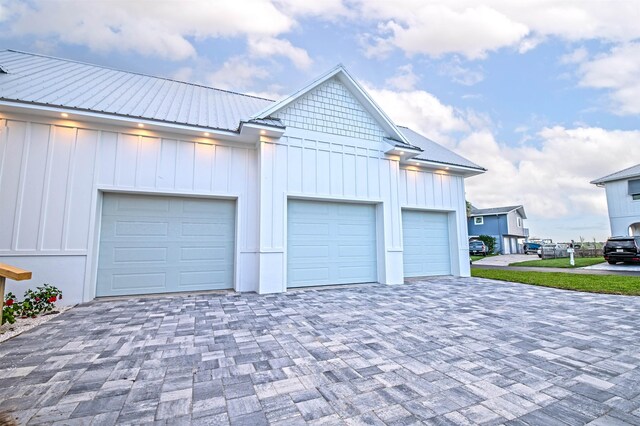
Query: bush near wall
x=489, y=241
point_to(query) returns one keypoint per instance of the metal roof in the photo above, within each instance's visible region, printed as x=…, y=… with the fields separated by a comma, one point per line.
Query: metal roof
x=43, y=80
x=434, y=152
x=633, y=171
x=497, y=210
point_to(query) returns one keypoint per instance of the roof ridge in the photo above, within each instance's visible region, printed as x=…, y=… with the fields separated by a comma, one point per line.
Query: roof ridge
x=615, y=173
x=136, y=73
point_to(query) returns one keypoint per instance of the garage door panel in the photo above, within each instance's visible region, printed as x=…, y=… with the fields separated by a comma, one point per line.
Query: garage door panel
x=330, y=243
x=426, y=243
x=138, y=281
x=139, y=254
x=188, y=246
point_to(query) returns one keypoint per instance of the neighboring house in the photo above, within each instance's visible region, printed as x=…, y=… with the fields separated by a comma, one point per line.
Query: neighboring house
x=623, y=200
x=118, y=183
x=505, y=224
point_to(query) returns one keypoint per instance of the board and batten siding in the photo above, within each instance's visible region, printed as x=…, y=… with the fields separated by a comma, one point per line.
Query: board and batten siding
x=444, y=192
x=50, y=177
x=623, y=210
x=305, y=164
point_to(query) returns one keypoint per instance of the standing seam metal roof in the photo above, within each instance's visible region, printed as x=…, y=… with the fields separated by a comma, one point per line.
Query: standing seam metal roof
x=629, y=172
x=435, y=152
x=43, y=80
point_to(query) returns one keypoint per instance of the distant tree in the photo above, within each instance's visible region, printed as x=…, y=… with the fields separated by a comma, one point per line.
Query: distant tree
x=489, y=241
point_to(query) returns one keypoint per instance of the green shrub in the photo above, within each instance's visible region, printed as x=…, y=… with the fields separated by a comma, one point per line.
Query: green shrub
x=39, y=301
x=489, y=241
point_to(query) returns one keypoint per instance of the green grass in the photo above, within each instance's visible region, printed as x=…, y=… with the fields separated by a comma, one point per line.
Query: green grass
x=609, y=284
x=560, y=263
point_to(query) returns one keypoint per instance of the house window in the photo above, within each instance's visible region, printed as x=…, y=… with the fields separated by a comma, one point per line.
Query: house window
x=519, y=220
x=478, y=220
x=634, y=189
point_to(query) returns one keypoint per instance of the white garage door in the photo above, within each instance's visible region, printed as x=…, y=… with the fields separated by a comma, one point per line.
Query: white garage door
x=330, y=243
x=154, y=244
x=426, y=243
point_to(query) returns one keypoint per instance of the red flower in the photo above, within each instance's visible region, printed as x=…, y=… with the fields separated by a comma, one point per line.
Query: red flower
x=37, y=299
x=52, y=299
x=9, y=302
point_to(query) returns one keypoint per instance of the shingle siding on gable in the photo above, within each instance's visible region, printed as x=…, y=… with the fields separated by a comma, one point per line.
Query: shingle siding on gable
x=330, y=108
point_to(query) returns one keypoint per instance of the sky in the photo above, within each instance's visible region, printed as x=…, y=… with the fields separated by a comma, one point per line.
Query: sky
x=545, y=94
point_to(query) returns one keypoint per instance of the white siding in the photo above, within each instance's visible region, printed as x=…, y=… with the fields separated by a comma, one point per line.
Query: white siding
x=50, y=176
x=424, y=190
x=623, y=210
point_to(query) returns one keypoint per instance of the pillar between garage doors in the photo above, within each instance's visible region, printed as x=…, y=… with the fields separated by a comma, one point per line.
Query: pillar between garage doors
x=271, y=219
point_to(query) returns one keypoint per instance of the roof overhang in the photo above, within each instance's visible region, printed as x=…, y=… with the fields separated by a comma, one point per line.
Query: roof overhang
x=520, y=209
x=340, y=73
x=247, y=132
x=441, y=168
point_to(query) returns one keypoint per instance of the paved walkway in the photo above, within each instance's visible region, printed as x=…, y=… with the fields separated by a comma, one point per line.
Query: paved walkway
x=619, y=267
x=504, y=259
x=441, y=351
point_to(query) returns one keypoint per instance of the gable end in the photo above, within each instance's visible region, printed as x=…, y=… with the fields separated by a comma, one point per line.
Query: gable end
x=331, y=108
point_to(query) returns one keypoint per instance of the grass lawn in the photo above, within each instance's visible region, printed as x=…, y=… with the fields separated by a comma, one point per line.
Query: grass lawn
x=560, y=263
x=610, y=284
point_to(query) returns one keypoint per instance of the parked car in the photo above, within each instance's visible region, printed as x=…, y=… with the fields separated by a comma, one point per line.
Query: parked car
x=531, y=248
x=553, y=250
x=622, y=249
x=478, y=247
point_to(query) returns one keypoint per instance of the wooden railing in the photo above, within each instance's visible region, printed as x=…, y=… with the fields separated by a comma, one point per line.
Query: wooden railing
x=13, y=273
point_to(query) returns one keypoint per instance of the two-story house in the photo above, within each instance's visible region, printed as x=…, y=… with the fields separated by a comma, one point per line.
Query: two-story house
x=505, y=224
x=623, y=200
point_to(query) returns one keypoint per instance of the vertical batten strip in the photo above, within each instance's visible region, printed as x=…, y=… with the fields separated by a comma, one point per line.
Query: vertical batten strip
x=68, y=195
x=26, y=144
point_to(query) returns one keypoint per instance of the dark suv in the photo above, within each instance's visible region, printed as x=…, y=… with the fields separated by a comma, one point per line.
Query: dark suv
x=622, y=249
x=477, y=247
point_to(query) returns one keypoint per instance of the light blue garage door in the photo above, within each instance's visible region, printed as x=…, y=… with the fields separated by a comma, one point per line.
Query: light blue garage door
x=330, y=243
x=154, y=244
x=426, y=243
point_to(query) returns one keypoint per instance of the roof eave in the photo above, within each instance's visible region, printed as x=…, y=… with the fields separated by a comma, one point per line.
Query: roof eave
x=79, y=116
x=444, y=168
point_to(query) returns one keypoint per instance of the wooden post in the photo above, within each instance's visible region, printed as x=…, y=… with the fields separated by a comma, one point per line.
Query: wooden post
x=13, y=273
x=2, y=281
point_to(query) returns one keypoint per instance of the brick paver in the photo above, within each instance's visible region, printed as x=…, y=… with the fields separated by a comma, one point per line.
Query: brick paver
x=441, y=351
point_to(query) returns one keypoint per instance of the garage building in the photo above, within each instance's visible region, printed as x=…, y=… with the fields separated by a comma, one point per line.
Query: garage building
x=116, y=183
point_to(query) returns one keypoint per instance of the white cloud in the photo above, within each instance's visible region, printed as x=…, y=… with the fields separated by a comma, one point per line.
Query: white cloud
x=328, y=9
x=436, y=27
x=269, y=47
x=159, y=28
x=619, y=72
x=576, y=56
x=236, y=74
x=404, y=79
x=551, y=178
x=423, y=112
x=461, y=75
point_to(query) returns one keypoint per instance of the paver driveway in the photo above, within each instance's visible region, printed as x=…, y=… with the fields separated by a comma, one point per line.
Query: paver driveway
x=443, y=351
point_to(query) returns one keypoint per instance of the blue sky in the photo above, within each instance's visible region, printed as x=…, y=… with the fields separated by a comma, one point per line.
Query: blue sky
x=545, y=94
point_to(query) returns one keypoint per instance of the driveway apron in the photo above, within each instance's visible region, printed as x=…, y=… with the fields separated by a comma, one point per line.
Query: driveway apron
x=441, y=350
